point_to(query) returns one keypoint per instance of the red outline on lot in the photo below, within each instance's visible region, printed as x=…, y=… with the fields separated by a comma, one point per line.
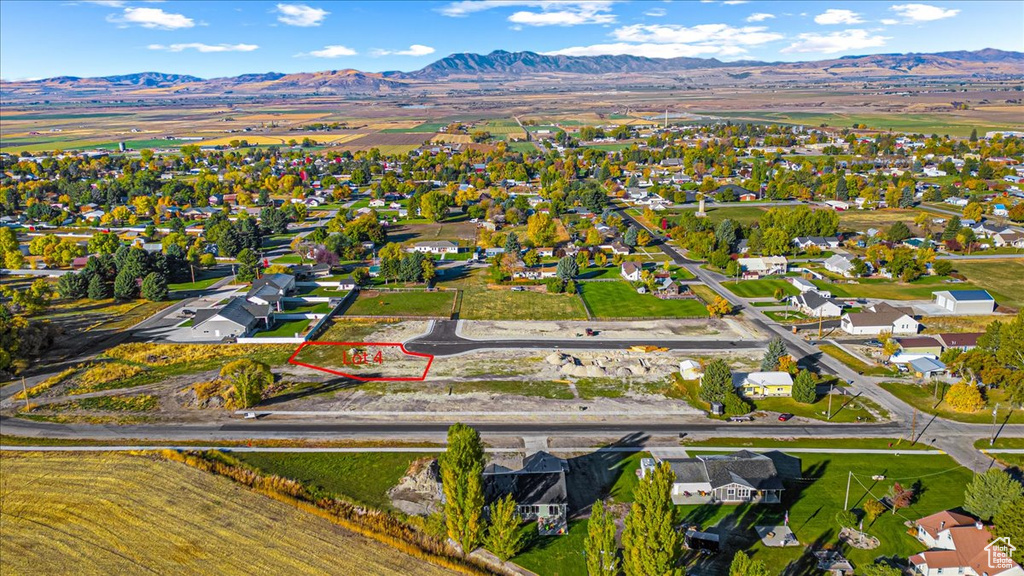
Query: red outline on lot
x=429, y=357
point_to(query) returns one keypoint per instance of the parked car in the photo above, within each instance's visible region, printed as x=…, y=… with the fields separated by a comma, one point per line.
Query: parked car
x=873, y=343
x=741, y=419
x=785, y=417
x=518, y=289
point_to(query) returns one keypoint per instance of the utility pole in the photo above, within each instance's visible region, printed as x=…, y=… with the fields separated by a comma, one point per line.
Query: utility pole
x=913, y=428
x=24, y=392
x=991, y=440
x=819, y=324
x=846, y=502
x=831, y=388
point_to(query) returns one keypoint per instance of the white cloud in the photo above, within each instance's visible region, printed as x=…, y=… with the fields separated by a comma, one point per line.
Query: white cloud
x=673, y=41
x=837, y=16
x=843, y=41
x=300, y=15
x=333, y=51
x=106, y=3
x=922, y=12
x=199, y=47
x=759, y=17
x=656, y=12
x=414, y=50
x=735, y=2
x=551, y=12
x=151, y=18
x=889, y=21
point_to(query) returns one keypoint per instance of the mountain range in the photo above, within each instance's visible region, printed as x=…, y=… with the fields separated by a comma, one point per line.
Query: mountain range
x=506, y=66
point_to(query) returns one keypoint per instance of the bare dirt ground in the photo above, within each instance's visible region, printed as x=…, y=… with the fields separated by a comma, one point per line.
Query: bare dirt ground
x=708, y=329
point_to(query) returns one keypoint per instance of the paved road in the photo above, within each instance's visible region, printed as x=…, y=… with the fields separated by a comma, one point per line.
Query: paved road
x=442, y=340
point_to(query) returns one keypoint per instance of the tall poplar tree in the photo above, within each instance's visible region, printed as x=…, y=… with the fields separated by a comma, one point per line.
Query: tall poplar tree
x=650, y=542
x=601, y=550
x=462, y=467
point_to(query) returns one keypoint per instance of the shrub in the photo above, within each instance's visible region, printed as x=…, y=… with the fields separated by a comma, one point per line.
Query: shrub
x=964, y=397
x=873, y=509
x=105, y=373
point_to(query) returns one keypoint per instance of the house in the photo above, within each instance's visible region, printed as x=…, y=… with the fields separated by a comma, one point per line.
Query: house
x=966, y=302
x=631, y=271
x=271, y=290
x=814, y=303
x=764, y=266
x=538, y=488
x=618, y=248
x=545, y=252
x=920, y=345
x=737, y=478
x=963, y=341
x=669, y=289
x=239, y=317
x=690, y=370
x=436, y=247
x=1008, y=237
x=878, y=319
x=926, y=367
x=959, y=544
x=837, y=205
x=802, y=284
x=839, y=264
x=376, y=203
x=762, y=384
x=820, y=242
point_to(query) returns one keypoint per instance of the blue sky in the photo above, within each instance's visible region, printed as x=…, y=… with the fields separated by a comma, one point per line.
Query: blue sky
x=208, y=39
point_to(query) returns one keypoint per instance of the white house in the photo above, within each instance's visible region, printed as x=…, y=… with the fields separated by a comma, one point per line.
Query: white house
x=802, y=284
x=764, y=266
x=878, y=319
x=817, y=305
x=959, y=544
x=631, y=271
x=839, y=264
x=436, y=247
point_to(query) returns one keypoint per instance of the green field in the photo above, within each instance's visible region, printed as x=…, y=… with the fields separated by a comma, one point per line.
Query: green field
x=285, y=329
x=764, y=288
x=522, y=147
x=201, y=284
x=479, y=303
x=736, y=212
x=616, y=147
x=425, y=128
x=362, y=477
x=620, y=300
x=419, y=303
x=886, y=289
x=941, y=124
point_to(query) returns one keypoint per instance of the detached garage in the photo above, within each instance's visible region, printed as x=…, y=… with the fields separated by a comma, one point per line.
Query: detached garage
x=966, y=301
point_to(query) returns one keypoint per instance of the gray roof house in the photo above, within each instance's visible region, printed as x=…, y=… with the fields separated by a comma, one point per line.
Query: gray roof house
x=271, y=289
x=817, y=305
x=237, y=318
x=740, y=477
x=839, y=264
x=538, y=488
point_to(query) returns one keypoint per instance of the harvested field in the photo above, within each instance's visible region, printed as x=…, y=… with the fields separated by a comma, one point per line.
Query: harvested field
x=384, y=139
x=69, y=513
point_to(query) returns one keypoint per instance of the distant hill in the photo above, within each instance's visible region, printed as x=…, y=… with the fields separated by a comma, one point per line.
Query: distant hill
x=513, y=66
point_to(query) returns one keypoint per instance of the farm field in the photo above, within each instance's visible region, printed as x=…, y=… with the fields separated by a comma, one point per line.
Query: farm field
x=419, y=303
x=67, y=513
x=620, y=300
x=952, y=124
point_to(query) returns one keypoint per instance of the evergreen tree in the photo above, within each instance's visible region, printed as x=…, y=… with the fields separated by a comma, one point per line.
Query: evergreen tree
x=743, y=565
x=650, y=542
x=725, y=234
x=248, y=265
x=126, y=286
x=154, y=287
x=990, y=493
x=567, y=268
x=841, y=192
x=512, y=245
x=72, y=286
x=974, y=135
x=98, y=289
x=952, y=228
x=1009, y=523
x=776, y=350
x=907, y=197
x=804, y=388
x=629, y=239
x=503, y=538
x=601, y=551
x=462, y=466
x=717, y=381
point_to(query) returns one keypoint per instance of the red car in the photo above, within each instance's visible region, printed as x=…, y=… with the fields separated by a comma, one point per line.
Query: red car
x=785, y=417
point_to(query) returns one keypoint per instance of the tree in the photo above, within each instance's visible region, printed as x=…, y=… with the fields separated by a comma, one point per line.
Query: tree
x=725, y=234
x=462, y=466
x=541, y=229
x=104, y=243
x=846, y=519
x=716, y=382
x=249, y=379
x=650, y=542
x=898, y=232
x=207, y=260
x=776, y=350
x=643, y=238
x=1009, y=523
x=873, y=509
x=154, y=287
x=964, y=397
x=974, y=135
x=990, y=493
x=503, y=538
x=248, y=265
x=567, y=268
x=942, y=267
x=899, y=497
x=630, y=237
x=360, y=276
x=952, y=228
x=907, y=197
x=126, y=285
x=879, y=569
x=601, y=550
x=743, y=565
x=719, y=307
x=512, y=245
x=841, y=191
x=72, y=286
x=804, y=388
x=99, y=289
x=973, y=211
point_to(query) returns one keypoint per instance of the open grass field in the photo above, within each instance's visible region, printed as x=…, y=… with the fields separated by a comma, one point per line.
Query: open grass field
x=764, y=288
x=1004, y=279
x=860, y=220
x=920, y=289
x=952, y=123
x=854, y=363
x=480, y=303
x=285, y=329
x=419, y=303
x=362, y=477
x=735, y=212
x=523, y=147
x=923, y=398
x=71, y=513
x=620, y=300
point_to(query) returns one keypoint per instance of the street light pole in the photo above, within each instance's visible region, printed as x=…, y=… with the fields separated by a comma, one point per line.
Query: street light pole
x=846, y=502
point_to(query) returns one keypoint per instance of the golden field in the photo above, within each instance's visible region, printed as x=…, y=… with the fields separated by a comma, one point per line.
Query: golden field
x=116, y=513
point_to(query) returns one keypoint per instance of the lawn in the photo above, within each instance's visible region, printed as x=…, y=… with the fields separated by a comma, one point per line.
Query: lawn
x=419, y=303
x=285, y=329
x=764, y=288
x=542, y=389
x=555, y=555
x=745, y=215
x=854, y=363
x=620, y=300
x=923, y=398
x=785, y=443
x=480, y=303
x=310, y=308
x=162, y=517
x=787, y=315
x=886, y=289
x=362, y=477
x=201, y=284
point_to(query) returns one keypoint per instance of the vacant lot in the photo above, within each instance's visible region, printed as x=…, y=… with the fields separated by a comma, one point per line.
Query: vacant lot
x=760, y=288
x=620, y=300
x=480, y=303
x=67, y=513
x=1002, y=278
x=886, y=289
x=924, y=399
x=419, y=303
